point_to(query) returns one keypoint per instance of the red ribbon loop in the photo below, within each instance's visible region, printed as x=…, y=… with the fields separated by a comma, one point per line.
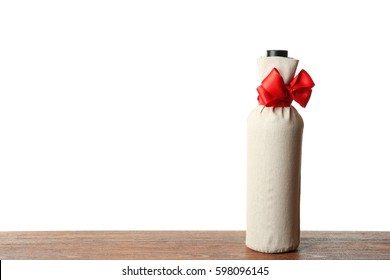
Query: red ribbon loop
x=274, y=93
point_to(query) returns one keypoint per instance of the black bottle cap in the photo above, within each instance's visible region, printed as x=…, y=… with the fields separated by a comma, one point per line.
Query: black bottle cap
x=282, y=53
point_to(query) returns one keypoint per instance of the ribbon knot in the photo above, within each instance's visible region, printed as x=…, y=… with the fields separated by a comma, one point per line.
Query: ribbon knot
x=274, y=93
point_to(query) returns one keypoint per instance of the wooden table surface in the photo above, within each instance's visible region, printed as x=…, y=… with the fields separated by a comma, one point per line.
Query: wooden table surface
x=184, y=245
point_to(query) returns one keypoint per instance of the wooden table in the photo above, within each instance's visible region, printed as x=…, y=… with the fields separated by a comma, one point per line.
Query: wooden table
x=184, y=245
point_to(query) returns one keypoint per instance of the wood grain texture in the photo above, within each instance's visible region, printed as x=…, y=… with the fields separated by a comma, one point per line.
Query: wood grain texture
x=184, y=245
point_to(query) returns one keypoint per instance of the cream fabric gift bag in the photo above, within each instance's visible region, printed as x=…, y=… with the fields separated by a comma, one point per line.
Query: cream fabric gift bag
x=274, y=168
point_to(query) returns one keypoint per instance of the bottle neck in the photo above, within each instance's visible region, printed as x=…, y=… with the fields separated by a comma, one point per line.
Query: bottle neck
x=286, y=66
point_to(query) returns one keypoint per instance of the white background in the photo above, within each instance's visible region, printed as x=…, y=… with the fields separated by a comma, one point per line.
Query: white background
x=132, y=114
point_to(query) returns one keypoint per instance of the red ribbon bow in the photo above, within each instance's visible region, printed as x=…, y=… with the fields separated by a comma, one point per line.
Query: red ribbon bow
x=274, y=93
